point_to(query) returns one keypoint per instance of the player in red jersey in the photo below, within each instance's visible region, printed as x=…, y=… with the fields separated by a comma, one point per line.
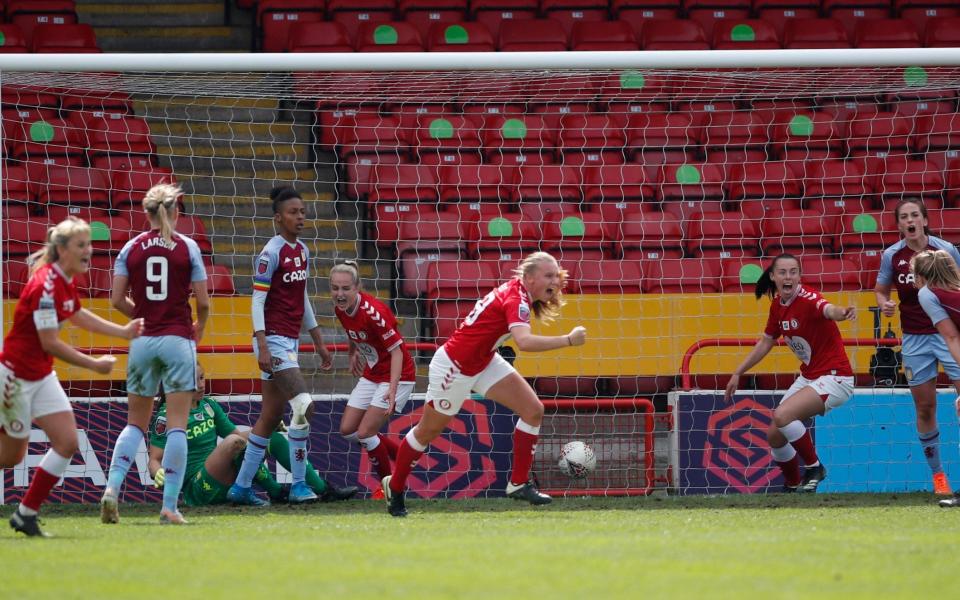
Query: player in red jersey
x=923, y=348
x=379, y=357
x=29, y=388
x=469, y=361
x=937, y=277
x=807, y=323
x=154, y=276
x=280, y=307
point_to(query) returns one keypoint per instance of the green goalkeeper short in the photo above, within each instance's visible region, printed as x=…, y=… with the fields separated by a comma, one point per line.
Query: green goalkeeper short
x=203, y=490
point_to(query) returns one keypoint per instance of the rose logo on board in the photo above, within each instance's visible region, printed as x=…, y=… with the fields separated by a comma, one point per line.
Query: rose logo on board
x=736, y=450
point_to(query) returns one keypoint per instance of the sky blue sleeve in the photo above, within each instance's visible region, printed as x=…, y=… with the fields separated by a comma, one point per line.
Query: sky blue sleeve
x=264, y=267
x=885, y=276
x=120, y=265
x=931, y=305
x=197, y=271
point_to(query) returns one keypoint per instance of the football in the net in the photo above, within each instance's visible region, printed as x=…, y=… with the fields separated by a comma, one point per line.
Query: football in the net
x=577, y=460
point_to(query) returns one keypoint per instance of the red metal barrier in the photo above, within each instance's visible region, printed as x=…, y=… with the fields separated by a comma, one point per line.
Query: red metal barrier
x=686, y=382
x=590, y=406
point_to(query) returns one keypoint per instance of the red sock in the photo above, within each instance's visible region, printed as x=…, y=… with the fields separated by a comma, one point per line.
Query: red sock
x=524, y=445
x=39, y=489
x=791, y=471
x=407, y=457
x=391, y=445
x=380, y=458
x=804, y=447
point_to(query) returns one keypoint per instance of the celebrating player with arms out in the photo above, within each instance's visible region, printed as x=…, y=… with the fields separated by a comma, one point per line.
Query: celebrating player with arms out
x=923, y=347
x=807, y=323
x=380, y=357
x=280, y=306
x=159, y=268
x=469, y=361
x=212, y=467
x=29, y=388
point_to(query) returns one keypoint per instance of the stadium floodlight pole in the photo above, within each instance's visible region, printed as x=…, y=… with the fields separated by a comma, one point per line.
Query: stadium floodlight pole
x=456, y=61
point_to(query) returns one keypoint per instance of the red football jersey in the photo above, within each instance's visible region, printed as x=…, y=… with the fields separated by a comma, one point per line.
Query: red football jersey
x=160, y=278
x=487, y=327
x=47, y=300
x=373, y=328
x=813, y=337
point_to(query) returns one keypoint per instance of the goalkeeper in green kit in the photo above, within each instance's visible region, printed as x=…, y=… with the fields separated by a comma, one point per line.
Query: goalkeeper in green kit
x=212, y=467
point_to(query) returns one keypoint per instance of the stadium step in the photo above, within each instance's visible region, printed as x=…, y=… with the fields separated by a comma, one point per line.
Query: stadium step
x=173, y=39
x=248, y=183
x=104, y=13
x=211, y=110
x=173, y=132
x=230, y=211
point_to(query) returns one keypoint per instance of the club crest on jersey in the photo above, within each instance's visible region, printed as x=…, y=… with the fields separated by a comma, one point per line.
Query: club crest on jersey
x=524, y=311
x=161, y=425
x=199, y=417
x=791, y=324
x=262, y=266
x=352, y=334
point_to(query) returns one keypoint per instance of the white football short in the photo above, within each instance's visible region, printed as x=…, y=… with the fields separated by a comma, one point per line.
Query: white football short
x=833, y=389
x=21, y=401
x=449, y=388
x=367, y=393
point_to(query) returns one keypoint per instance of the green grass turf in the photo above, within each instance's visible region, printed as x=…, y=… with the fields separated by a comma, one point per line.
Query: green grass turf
x=843, y=546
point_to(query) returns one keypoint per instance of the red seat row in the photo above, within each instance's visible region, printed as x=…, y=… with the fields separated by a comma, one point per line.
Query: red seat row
x=77, y=185
x=73, y=38
x=33, y=135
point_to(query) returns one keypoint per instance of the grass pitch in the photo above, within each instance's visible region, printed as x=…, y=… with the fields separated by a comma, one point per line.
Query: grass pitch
x=824, y=546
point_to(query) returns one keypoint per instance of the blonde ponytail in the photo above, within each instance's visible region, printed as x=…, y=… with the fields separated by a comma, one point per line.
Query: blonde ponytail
x=58, y=236
x=159, y=202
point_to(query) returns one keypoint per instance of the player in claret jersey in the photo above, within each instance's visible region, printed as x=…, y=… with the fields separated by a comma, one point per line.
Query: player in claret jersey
x=29, y=388
x=937, y=276
x=469, y=361
x=280, y=307
x=158, y=269
x=379, y=357
x=807, y=323
x=923, y=347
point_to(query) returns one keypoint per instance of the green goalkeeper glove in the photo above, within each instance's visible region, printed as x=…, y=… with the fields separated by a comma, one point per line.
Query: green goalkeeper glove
x=158, y=478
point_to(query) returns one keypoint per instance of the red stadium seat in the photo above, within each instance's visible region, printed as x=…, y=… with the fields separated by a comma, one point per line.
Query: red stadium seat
x=12, y=39
x=661, y=130
x=460, y=280
x=23, y=237
x=75, y=185
x=29, y=14
x=16, y=273
x=851, y=12
x=446, y=133
x=631, y=91
x=475, y=183
x=360, y=168
x=943, y=32
x=723, y=235
x=650, y=235
x=394, y=36
x=276, y=20
x=220, y=281
x=460, y=37
x=869, y=263
x=74, y=38
x=815, y=33
x=836, y=179
x=571, y=13
x=639, y=12
x=797, y=230
x=108, y=232
x=734, y=129
x=506, y=233
x=768, y=180
x=938, y=132
x=867, y=230
x=604, y=276
x=423, y=14
x=318, y=36
x=371, y=133
x=806, y=134
x=945, y=223
x=422, y=243
x=128, y=135
x=952, y=185
x=402, y=183
x=16, y=186
x=535, y=35
x=493, y=13
x=387, y=218
x=617, y=183
x=924, y=14
x=897, y=176
x=680, y=275
x=590, y=132
x=744, y=34
x=605, y=35
x=779, y=13
x=708, y=12
x=827, y=274
x=39, y=140
x=579, y=236
x=884, y=132
x=547, y=183
x=673, y=34
x=352, y=14
x=740, y=274
x=690, y=182
x=615, y=212
x=126, y=162
x=526, y=134
x=885, y=33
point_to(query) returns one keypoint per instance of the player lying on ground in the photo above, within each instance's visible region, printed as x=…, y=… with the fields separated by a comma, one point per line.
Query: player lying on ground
x=923, y=347
x=29, y=389
x=807, y=323
x=469, y=361
x=279, y=307
x=937, y=276
x=212, y=467
x=379, y=356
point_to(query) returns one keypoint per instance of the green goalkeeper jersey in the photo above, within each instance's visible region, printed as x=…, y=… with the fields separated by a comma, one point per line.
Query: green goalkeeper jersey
x=206, y=423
